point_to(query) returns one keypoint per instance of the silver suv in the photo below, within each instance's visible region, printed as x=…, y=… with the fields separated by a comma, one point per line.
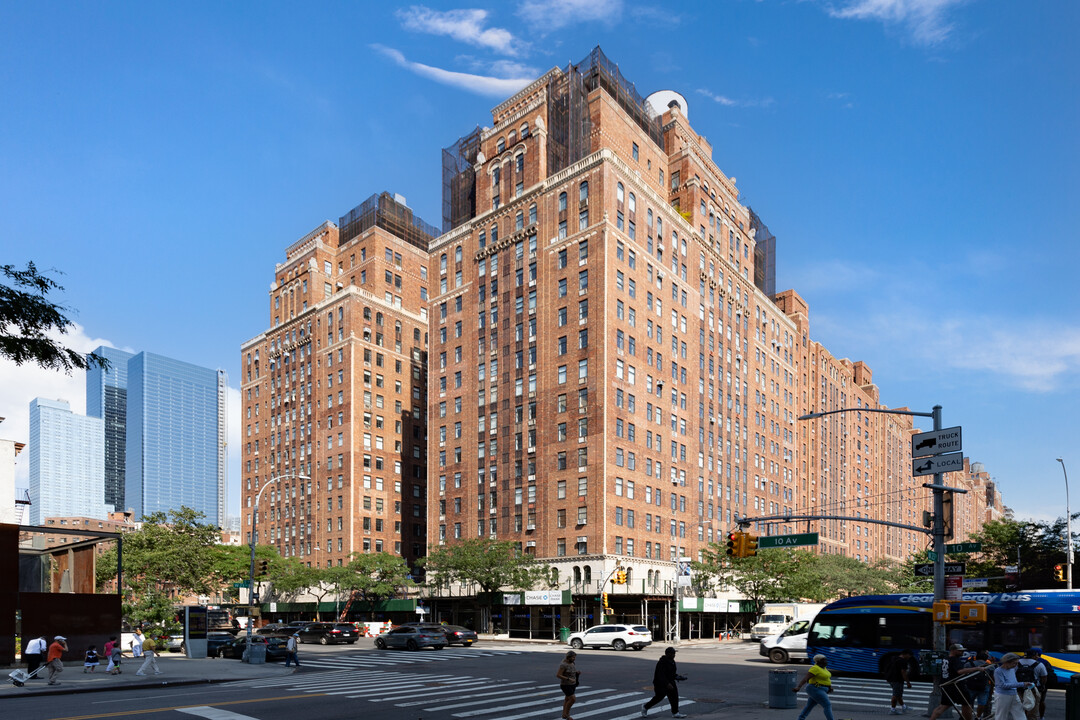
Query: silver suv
x=618, y=637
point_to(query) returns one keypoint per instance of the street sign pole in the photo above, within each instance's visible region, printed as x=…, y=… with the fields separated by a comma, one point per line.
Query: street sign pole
x=939, y=545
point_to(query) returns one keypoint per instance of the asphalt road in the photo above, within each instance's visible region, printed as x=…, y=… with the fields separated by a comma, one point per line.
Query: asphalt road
x=489, y=681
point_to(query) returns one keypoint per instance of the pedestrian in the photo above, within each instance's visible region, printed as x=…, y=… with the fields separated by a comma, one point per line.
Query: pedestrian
x=53, y=660
x=818, y=682
x=34, y=652
x=112, y=651
x=898, y=675
x=979, y=685
x=665, y=684
x=953, y=694
x=90, y=659
x=1007, y=704
x=148, y=648
x=1049, y=675
x=291, y=650
x=137, y=640
x=568, y=681
x=1030, y=669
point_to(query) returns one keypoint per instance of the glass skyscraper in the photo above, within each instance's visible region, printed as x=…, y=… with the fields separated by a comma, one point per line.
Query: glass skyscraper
x=106, y=398
x=67, y=463
x=175, y=437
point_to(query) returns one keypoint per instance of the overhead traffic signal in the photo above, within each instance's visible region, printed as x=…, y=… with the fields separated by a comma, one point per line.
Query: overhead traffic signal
x=262, y=568
x=734, y=544
x=620, y=577
x=1059, y=572
x=604, y=602
x=749, y=545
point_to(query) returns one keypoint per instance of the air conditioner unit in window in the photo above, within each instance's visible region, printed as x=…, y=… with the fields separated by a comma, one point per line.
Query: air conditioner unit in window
x=530, y=527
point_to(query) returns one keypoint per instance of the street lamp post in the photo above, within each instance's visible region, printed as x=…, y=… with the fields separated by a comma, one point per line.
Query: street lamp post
x=253, y=540
x=938, y=529
x=1068, y=527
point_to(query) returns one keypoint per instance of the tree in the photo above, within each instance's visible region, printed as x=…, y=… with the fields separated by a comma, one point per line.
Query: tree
x=371, y=577
x=1035, y=546
x=27, y=317
x=232, y=564
x=289, y=578
x=170, y=553
x=491, y=564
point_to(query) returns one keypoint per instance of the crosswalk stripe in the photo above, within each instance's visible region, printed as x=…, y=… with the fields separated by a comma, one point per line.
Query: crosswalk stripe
x=483, y=694
x=486, y=700
x=517, y=706
x=635, y=703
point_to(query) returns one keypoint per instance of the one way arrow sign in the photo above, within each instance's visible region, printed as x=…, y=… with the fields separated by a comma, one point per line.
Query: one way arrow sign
x=927, y=569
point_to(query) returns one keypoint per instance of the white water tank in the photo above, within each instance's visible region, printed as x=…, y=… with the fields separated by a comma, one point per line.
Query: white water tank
x=661, y=99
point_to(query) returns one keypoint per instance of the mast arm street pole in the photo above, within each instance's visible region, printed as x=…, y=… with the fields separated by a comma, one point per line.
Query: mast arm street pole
x=253, y=541
x=1068, y=527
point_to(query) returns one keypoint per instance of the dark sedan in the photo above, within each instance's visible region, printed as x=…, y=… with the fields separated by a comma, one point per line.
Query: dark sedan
x=328, y=633
x=457, y=635
x=277, y=630
x=275, y=648
x=412, y=637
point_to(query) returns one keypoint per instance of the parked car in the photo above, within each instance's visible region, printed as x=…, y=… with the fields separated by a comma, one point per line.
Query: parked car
x=456, y=634
x=327, y=633
x=618, y=637
x=275, y=648
x=412, y=637
x=277, y=630
x=214, y=640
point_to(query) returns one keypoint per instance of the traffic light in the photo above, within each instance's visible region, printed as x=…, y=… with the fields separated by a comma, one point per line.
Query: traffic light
x=734, y=544
x=749, y=545
x=620, y=577
x=1059, y=572
x=603, y=601
x=263, y=566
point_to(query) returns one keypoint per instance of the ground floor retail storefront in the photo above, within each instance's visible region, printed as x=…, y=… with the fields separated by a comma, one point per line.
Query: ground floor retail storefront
x=551, y=615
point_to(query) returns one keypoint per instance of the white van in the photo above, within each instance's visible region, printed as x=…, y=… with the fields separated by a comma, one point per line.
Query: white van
x=789, y=644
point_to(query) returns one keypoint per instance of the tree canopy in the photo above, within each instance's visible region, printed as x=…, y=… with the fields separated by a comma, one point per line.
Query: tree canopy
x=28, y=317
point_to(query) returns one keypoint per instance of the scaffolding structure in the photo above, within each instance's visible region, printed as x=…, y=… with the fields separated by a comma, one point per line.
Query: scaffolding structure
x=459, y=180
x=385, y=211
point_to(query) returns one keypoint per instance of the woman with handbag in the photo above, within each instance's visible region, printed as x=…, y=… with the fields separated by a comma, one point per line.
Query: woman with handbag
x=1007, y=703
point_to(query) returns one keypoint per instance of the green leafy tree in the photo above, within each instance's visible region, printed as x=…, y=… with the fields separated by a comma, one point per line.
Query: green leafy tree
x=371, y=577
x=1035, y=546
x=171, y=554
x=28, y=317
x=289, y=578
x=490, y=564
x=761, y=578
x=908, y=580
x=232, y=564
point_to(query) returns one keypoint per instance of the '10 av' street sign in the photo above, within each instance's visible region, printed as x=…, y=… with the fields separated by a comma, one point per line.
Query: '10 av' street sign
x=782, y=541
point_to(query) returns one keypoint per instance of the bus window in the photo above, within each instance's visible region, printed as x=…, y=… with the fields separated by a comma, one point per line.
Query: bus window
x=1012, y=631
x=904, y=630
x=840, y=630
x=1068, y=638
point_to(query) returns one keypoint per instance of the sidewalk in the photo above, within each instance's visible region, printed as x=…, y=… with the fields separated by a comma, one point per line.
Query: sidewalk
x=175, y=670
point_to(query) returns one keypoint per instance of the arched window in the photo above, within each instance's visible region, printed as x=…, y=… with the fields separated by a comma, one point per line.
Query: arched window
x=524, y=130
x=457, y=253
x=519, y=163
x=519, y=220
x=367, y=313
x=512, y=137
x=494, y=234
x=633, y=203
x=562, y=201
x=577, y=575
x=532, y=214
x=583, y=191
x=500, y=145
x=620, y=193
x=588, y=573
x=378, y=319
x=442, y=262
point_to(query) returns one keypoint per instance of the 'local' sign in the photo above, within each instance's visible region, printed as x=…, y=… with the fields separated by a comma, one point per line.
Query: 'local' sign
x=937, y=464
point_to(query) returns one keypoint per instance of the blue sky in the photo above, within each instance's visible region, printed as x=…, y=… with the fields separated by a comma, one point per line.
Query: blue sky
x=917, y=160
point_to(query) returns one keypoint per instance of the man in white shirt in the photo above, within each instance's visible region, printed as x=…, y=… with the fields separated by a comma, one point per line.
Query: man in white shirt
x=34, y=652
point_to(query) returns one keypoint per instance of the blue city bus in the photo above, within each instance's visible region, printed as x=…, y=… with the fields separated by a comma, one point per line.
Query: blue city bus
x=863, y=634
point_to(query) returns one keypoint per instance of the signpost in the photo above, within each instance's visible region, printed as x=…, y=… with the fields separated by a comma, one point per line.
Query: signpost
x=951, y=462
x=782, y=541
x=936, y=442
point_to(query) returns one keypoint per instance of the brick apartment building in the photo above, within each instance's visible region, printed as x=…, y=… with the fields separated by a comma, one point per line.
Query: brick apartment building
x=334, y=392
x=601, y=369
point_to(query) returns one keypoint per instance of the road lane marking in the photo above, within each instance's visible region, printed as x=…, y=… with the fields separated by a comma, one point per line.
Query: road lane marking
x=212, y=713
x=147, y=711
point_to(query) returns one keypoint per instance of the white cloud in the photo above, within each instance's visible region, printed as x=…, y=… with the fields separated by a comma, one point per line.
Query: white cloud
x=465, y=25
x=550, y=15
x=19, y=384
x=732, y=102
x=480, y=84
x=925, y=20
x=498, y=68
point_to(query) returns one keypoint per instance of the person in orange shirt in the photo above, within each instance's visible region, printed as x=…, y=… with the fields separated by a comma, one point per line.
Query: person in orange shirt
x=54, y=662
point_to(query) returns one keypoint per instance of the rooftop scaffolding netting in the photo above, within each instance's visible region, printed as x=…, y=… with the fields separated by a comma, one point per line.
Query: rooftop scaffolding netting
x=459, y=180
x=384, y=211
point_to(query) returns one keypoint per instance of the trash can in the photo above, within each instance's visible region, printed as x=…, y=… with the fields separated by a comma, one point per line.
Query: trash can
x=1072, y=699
x=564, y=634
x=781, y=685
x=255, y=654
